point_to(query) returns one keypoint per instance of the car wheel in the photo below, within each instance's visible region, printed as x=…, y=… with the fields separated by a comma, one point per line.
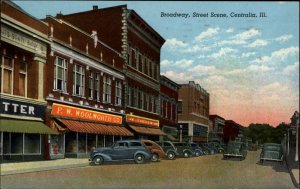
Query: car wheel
x=98, y=160
x=139, y=158
x=186, y=154
x=197, y=153
x=154, y=157
x=171, y=155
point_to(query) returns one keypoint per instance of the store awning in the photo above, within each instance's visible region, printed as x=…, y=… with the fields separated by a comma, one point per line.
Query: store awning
x=24, y=126
x=147, y=130
x=94, y=128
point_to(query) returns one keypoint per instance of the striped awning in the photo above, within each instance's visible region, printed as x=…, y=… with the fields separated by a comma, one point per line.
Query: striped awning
x=147, y=130
x=94, y=128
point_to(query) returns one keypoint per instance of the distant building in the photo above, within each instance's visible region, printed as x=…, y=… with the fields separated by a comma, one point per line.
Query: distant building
x=193, y=112
x=169, y=100
x=217, y=128
x=231, y=130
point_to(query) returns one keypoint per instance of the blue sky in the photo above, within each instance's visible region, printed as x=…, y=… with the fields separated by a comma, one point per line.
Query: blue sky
x=249, y=65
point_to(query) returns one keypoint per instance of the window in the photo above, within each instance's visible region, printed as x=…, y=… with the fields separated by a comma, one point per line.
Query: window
x=129, y=55
x=129, y=96
x=106, y=89
x=141, y=100
x=166, y=109
x=97, y=84
x=151, y=104
x=171, y=111
x=136, y=58
x=91, y=84
x=1, y=143
x=153, y=69
x=23, y=79
x=147, y=102
x=134, y=98
x=32, y=144
x=60, y=74
x=133, y=58
x=118, y=93
x=7, y=75
x=135, y=144
x=179, y=107
x=141, y=62
x=78, y=80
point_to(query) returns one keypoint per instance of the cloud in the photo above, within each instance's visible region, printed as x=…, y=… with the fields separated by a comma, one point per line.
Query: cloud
x=247, y=34
x=284, y=38
x=174, y=43
x=229, y=30
x=178, y=77
x=184, y=63
x=210, y=32
x=223, y=52
x=291, y=69
x=201, y=69
x=276, y=56
x=247, y=54
x=257, y=43
x=250, y=69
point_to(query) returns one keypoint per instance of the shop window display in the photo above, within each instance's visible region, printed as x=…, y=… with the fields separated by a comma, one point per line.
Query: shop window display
x=71, y=142
x=81, y=142
x=32, y=143
x=100, y=141
x=91, y=142
x=57, y=144
x=6, y=143
x=17, y=141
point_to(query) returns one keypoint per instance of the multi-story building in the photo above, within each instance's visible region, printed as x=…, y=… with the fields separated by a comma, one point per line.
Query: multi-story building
x=217, y=129
x=139, y=44
x=169, y=99
x=193, y=112
x=84, y=90
x=23, y=52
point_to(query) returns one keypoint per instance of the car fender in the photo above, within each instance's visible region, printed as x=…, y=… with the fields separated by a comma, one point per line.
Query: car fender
x=105, y=156
x=146, y=154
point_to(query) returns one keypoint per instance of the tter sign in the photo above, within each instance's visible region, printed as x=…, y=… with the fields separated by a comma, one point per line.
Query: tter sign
x=79, y=113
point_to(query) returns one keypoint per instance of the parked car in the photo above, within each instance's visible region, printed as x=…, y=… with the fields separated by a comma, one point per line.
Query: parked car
x=217, y=146
x=184, y=149
x=169, y=149
x=235, y=149
x=272, y=152
x=207, y=149
x=122, y=150
x=196, y=149
x=155, y=149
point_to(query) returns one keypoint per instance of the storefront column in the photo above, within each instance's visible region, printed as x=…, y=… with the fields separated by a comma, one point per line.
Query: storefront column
x=40, y=61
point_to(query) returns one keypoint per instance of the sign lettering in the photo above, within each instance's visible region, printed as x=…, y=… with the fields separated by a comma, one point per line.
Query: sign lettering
x=142, y=120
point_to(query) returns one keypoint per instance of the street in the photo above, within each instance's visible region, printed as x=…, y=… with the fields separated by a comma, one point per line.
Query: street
x=209, y=171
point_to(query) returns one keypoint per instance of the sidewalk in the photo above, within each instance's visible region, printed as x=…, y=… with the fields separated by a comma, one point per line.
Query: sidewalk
x=34, y=166
x=293, y=167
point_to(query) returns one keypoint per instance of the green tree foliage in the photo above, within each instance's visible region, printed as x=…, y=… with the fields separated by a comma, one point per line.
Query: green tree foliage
x=263, y=133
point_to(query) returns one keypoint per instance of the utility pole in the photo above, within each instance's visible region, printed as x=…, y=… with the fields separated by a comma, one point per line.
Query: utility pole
x=297, y=136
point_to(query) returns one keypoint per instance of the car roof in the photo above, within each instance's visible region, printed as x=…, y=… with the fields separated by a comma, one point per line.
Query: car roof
x=131, y=140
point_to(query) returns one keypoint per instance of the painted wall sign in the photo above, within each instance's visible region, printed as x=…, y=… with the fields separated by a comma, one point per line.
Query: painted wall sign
x=21, y=40
x=142, y=120
x=73, y=112
x=13, y=107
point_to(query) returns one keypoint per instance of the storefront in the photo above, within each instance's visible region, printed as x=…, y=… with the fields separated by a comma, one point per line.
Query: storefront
x=22, y=130
x=144, y=127
x=172, y=133
x=81, y=130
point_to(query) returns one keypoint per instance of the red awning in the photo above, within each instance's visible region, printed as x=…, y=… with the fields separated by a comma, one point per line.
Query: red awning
x=147, y=130
x=95, y=128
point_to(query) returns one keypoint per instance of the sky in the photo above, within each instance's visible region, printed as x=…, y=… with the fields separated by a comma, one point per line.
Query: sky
x=248, y=65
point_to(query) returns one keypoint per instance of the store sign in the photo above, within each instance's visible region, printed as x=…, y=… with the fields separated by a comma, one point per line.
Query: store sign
x=21, y=40
x=141, y=120
x=73, y=112
x=17, y=108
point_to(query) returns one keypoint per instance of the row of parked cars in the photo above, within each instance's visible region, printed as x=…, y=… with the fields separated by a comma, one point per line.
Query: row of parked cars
x=144, y=150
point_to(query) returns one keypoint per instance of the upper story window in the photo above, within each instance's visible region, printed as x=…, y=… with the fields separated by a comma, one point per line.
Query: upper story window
x=133, y=58
x=129, y=95
x=97, y=87
x=136, y=58
x=60, y=74
x=146, y=97
x=140, y=100
x=106, y=89
x=118, y=93
x=23, y=79
x=180, y=107
x=7, y=68
x=78, y=80
x=91, y=84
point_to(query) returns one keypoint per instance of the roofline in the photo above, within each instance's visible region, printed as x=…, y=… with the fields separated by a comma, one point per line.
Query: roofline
x=169, y=80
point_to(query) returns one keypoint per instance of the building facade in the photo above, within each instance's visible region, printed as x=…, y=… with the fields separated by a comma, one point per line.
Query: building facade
x=84, y=91
x=23, y=52
x=193, y=112
x=217, y=129
x=168, y=115
x=139, y=44
x=231, y=130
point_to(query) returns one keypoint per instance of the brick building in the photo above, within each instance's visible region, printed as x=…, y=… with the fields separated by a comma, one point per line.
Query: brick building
x=169, y=99
x=193, y=112
x=139, y=44
x=231, y=130
x=217, y=129
x=23, y=52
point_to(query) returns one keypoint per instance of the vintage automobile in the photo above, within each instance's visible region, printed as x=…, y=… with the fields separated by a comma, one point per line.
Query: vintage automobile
x=155, y=149
x=235, y=149
x=122, y=150
x=217, y=147
x=184, y=149
x=169, y=149
x=208, y=150
x=196, y=149
x=271, y=152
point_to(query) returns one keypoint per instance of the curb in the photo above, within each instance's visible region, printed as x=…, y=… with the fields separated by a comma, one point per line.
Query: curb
x=296, y=184
x=44, y=169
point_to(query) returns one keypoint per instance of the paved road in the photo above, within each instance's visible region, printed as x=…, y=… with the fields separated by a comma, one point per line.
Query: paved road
x=203, y=172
